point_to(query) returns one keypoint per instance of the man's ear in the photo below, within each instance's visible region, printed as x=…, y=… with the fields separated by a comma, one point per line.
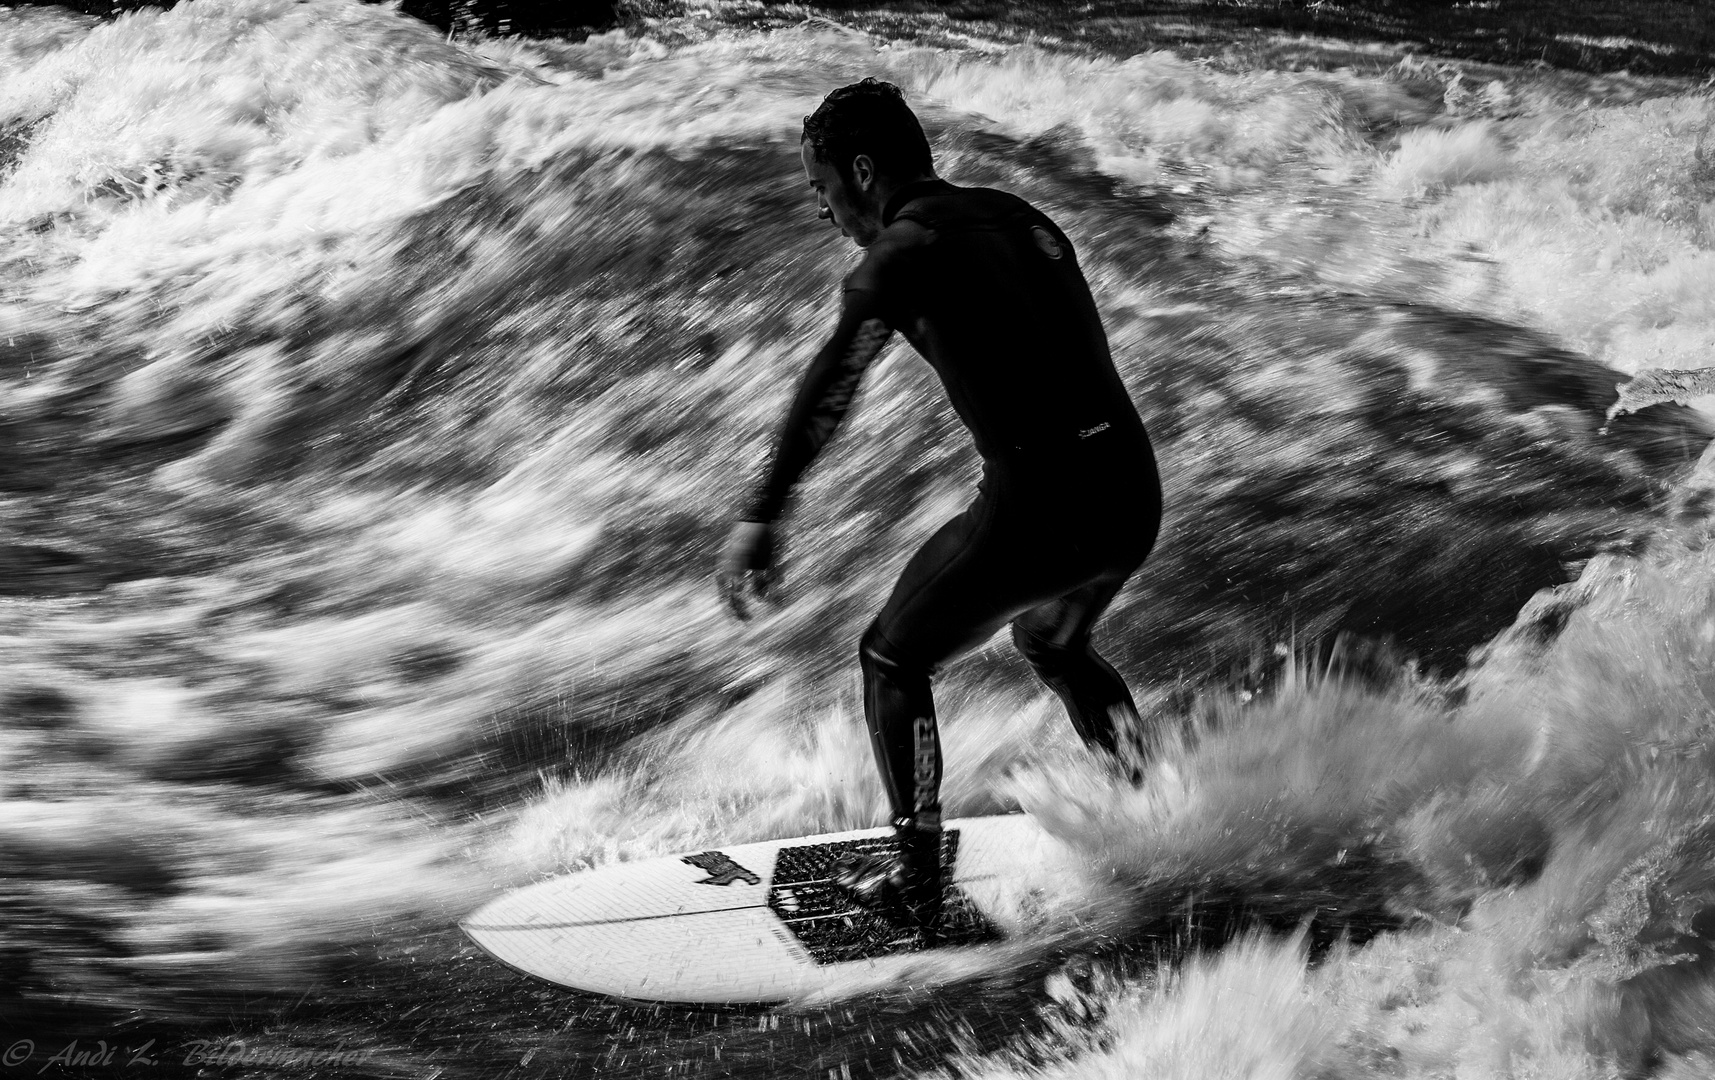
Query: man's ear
x=863, y=172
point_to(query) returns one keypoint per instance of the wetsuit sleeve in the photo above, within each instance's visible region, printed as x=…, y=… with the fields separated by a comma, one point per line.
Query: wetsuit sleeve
x=824, y=395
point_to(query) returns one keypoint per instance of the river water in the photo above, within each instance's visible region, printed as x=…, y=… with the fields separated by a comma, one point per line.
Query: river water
x=375, y=403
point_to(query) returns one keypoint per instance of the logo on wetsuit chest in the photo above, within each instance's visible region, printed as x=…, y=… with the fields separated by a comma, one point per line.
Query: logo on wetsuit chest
x=1045, y=240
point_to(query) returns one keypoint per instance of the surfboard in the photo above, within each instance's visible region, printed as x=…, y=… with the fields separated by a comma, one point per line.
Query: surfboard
x=755, y=922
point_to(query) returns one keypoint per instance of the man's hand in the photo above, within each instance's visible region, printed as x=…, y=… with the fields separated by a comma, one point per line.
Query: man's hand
x=746, y=575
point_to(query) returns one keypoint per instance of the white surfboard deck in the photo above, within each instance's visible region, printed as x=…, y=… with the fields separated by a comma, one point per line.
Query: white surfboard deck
x=753, y=922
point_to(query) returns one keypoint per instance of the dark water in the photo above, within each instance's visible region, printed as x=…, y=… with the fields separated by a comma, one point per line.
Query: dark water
x=374, y=403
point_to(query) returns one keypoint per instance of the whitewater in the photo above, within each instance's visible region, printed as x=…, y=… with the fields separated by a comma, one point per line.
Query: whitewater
x=373, y=403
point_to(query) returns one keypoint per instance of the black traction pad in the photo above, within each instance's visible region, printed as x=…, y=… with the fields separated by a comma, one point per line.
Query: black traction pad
x=834, y=930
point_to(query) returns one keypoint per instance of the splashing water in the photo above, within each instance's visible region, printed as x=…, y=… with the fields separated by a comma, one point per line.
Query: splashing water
x=373, y=402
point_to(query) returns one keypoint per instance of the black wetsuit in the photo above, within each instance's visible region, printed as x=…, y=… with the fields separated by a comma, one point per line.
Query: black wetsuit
x=988, y=290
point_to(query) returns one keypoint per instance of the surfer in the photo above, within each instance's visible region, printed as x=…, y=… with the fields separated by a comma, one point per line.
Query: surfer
x=988, y=290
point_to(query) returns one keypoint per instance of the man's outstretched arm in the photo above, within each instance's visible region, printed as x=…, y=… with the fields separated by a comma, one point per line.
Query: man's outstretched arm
x=824, y=395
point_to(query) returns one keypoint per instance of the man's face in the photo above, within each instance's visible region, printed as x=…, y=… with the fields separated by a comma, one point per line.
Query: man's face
x=852, y=207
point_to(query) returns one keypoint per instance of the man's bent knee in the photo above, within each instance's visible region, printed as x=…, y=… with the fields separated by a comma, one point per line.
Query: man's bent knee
x=1041, y=652
x=878, y=657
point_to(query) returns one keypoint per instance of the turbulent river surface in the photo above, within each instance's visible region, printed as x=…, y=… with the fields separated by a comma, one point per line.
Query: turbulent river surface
x=373, y=402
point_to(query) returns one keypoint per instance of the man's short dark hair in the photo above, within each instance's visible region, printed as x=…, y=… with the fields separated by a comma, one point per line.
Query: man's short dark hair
x=868, y=117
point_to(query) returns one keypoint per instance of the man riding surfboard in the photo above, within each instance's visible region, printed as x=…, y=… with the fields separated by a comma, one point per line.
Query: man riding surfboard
x=988, y=290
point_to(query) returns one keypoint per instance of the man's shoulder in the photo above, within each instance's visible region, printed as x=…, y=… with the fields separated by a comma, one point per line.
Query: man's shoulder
x=889, y=253
x=960, y=202
x=900, y=237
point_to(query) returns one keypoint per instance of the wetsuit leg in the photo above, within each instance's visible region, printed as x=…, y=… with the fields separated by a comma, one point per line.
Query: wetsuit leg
x=953, y=594
x=907, y=747
x=1071, y=535
x=937, y=609
x=972, y=577
x=1054, y=638
x=901, y=714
